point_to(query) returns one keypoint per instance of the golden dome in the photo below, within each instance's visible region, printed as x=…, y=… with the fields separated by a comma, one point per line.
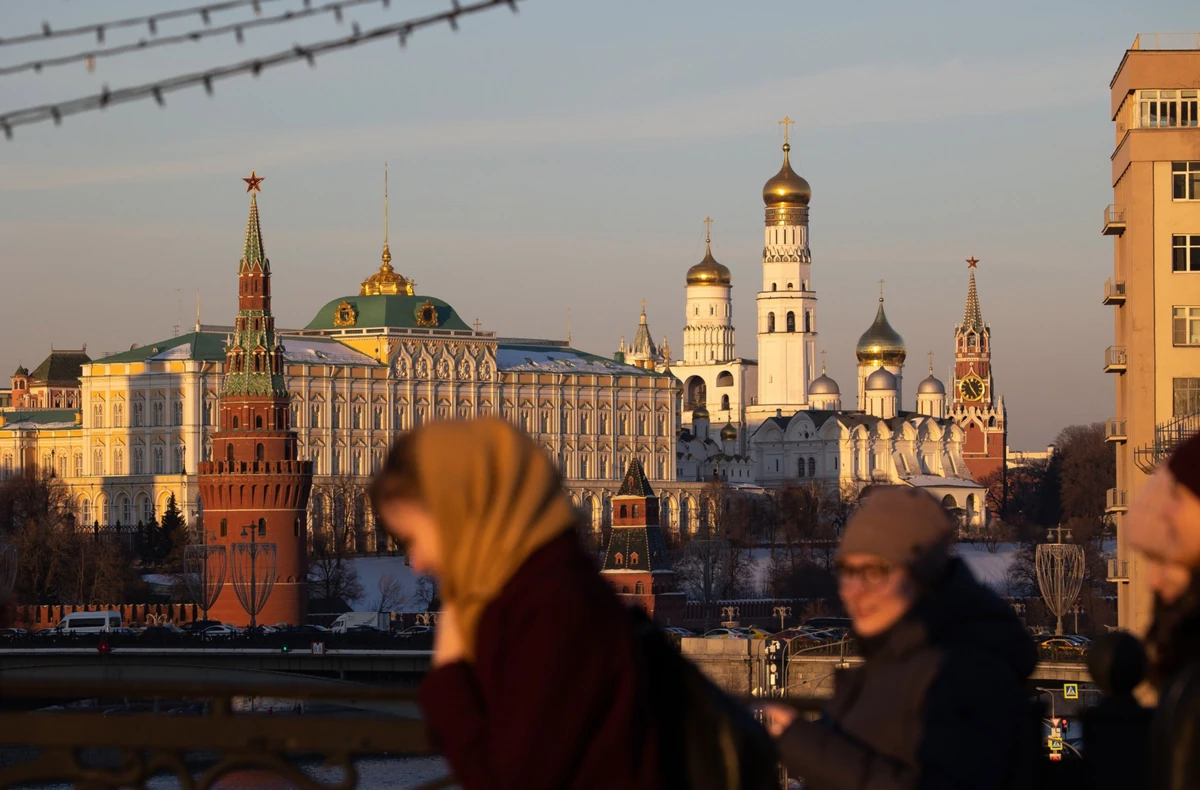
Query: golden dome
x=709, y=271
x=386, y=282
x=880, y=344
x=729, y=433
x=785, y=186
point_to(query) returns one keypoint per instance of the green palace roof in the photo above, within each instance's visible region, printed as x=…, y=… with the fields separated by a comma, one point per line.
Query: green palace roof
x=204, y=346
x=396, y=311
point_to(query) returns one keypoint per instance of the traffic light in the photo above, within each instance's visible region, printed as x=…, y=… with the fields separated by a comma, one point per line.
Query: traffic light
x=284, y=648
x=104, y=648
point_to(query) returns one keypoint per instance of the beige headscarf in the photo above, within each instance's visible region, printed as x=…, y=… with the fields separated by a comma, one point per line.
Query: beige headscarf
x=497, y=499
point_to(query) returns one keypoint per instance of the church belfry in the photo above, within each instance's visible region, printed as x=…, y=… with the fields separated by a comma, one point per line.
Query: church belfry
x=787, y=304
x=708, y=331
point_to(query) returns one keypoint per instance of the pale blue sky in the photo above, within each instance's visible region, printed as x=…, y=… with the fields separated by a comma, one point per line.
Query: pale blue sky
x=565, y=157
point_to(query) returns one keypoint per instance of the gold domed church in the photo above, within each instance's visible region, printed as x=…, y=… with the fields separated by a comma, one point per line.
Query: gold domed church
x=778, y=420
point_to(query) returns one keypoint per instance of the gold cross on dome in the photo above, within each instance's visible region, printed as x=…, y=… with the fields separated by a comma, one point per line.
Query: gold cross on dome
x=972, y=262
x=252, y=183
x=822, y=362
x=931, y=363
x=476, y=324
x=708, y=229
x=785, y=123
x=881, y=290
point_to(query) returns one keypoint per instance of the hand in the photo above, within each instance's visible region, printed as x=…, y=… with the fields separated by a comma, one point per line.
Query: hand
x=448, y=644
x=778, y=717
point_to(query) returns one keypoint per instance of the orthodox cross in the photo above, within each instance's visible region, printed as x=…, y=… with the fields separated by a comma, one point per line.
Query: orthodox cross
x=972, y=262
x=643, y=306
x=385, y=205
x=881, y=290
x=569, y=326
x=476, y=324
x=931, y=363
x=822, y=363
x=785, y=123
x=252, y=183
x=708, y=229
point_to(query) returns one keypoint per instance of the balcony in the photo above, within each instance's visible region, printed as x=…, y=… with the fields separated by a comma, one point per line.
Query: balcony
x=1167, y=436
x=1114, y=292
x=1115, y=359
x=1117, y=501
x=1114, y=220
x=1118, y=571
x=1114, y=431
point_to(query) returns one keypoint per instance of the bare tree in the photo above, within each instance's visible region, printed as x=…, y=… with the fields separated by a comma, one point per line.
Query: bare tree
x=343, y=503
x=331, y=573
x=391, y=593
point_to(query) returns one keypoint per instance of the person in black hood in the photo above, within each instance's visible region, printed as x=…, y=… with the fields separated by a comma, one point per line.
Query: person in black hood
x=938, y=701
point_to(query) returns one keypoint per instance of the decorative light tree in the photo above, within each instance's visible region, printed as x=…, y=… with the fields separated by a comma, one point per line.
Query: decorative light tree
x=205, y=565
x=8, y=569
x=1059, y=573
x=254, y=566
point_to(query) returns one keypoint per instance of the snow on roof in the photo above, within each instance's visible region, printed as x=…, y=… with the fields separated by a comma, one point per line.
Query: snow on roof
x=567, y=360
x=321, y=351
x=181, y=351
x=934, y=481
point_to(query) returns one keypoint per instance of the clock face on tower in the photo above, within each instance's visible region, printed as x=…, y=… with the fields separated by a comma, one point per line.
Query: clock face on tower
x=971, y=388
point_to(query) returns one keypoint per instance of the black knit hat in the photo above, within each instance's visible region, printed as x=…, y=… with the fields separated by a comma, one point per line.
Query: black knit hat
x=1185, y=464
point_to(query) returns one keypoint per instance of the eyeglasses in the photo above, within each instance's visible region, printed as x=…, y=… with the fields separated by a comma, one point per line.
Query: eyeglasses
x=871, y=574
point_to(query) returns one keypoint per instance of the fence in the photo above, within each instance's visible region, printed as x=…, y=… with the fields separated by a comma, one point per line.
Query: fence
x=47, y=616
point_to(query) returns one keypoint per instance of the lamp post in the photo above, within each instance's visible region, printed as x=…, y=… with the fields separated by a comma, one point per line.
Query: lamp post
x=205, y=565
x=782, y=611
x=731, y=613
x=254, y=564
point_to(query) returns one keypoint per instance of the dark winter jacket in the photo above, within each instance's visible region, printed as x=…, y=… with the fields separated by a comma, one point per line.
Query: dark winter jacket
x=937, y=703
x=556, y=696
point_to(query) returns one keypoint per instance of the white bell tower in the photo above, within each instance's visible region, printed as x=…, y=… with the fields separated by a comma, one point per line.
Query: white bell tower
x=787, y=304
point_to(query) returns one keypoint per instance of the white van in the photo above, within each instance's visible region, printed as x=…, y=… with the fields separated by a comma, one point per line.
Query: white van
x=88, y=623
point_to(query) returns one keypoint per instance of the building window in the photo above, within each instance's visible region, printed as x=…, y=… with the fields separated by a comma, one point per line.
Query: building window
x=147, y=511
x=1185, y=180
x=791, y=321
x=118, y=461
x=770, y=322
x=139, y=414
x=126, y=511
x=1185, y=253
x=224, y=527
x=378, y=418
x=118, y=415
x=159, y=462
x=314, y=414
x=139, y=461
x=156, y=413
x=812, y=467
x=208, y=411
x=177, y=461
x=1186, y=396
x=98, y=461
x=725, y=402
x=1168, y=109
x=98, y=415
x=78, y=464
x=177, y=412
x=1186, y=326
x=357, y=413
x=85, y=511
x=800, y=468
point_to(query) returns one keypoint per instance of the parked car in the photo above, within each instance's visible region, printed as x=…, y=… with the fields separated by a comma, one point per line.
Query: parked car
x=259, y=630
x=753, y=632
x=305, y=629
x=822, y=623
x=363, y=628
x=165, y=631
x=1061, y=644
x=9, y=634
x=725, y=633
x=197, y=626
x=220, y=632
x=680, y=632
x=89, y=622
x=415, y=630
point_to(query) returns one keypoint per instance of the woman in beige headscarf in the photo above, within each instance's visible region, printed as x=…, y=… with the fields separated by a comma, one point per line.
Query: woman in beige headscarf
x=536, y=680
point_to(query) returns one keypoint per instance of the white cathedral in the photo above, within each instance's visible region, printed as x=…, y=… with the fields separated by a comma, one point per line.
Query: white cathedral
x=775, y=420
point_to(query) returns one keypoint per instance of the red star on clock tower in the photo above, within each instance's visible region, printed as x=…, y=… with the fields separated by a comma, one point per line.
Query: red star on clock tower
x=976, y=407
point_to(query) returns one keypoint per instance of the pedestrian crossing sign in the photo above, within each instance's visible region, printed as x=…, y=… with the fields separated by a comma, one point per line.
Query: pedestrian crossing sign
x=1070, y=691
x=1056, y=744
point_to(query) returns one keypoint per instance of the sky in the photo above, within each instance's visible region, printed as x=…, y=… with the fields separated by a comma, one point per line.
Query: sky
x=564, y=158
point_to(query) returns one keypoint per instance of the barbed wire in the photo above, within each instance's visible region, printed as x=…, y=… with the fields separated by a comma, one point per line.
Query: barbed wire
x=151, y=21
x=193, y=35
x=158, y=90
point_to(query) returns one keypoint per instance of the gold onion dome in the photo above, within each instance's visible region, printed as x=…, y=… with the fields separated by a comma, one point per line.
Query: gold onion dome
x=729, y=433
x=881, y=344
x=785, y=186
x=699, y=413
x=709, y=271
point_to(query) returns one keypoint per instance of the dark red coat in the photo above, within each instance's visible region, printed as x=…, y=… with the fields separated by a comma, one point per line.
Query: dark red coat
x=556, y=695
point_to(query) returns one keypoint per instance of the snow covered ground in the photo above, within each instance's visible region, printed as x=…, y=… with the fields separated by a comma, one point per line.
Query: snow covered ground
x=989, y=568
x=372, y=569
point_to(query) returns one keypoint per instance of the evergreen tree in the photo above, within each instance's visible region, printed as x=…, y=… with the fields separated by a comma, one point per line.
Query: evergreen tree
x=173, y=532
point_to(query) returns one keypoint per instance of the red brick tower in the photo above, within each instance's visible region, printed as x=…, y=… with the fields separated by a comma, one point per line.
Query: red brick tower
x=256, y=482
x=976, y=407
x=635, y=563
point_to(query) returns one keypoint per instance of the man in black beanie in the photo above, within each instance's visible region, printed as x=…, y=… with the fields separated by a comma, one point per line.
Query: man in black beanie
x=938, y=701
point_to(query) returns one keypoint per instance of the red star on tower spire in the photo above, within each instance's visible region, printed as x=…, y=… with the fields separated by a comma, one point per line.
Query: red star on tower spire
x=252, y=183
x=972, y=262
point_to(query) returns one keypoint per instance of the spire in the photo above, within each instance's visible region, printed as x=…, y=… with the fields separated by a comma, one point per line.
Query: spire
x=643, y=346
x=822, y=362
x=635, y=482
x=387, y=254
x=972, y=317
x=931, y=363
x=254, y=255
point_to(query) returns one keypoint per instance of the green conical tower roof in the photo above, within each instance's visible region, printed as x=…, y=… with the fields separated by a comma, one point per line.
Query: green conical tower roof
x=254, y=255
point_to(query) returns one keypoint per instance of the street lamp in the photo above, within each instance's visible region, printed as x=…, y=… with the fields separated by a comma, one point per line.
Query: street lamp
x=205, y=565
x=254, y=566
x=782, y=611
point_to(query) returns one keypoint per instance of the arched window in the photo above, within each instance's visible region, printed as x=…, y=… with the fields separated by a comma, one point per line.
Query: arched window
x=623, y=511
x=789, y=286
x=800, y=468
x=619, y=558
x=791, y=321
x=635, y=515
x=224, y=527
x=770, y=322
x=262, y=527
x=774, y=286
x=229, y=452
x=991, y=422
x=258, y=421
x=633, y=558
x=85, y=511
x=258, y=452
x=812, y=467
x=639, y=588
x=725, y=402
x=235, y=421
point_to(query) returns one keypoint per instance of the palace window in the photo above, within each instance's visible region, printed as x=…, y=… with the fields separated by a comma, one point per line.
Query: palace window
x=98, y=415
x=118, y=461
x=85, y=511
x=1185, y=180
x=725, y=402
x=1186, y=396
x=1186, y=326
x=118, y=415
x=139, y=414
x=78, y=464
x=159, y=460
x=147, y=511
x=177, y=460
x=357, y=413
x=126, y=511
x=209, y=409
x=177, y=411
x=377, y=418
x=98, y=461
x=314, y=414
x=335, y=415
x=62, y=466
x=1185, y=253
x=1168, y=109
x=812, y=467
x=156, y=413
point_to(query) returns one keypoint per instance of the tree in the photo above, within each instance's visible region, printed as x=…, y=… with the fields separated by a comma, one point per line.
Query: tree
x=331, y=573
x=428, y=594
x=172, y=535
x=342, y=505
x=392, y=594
